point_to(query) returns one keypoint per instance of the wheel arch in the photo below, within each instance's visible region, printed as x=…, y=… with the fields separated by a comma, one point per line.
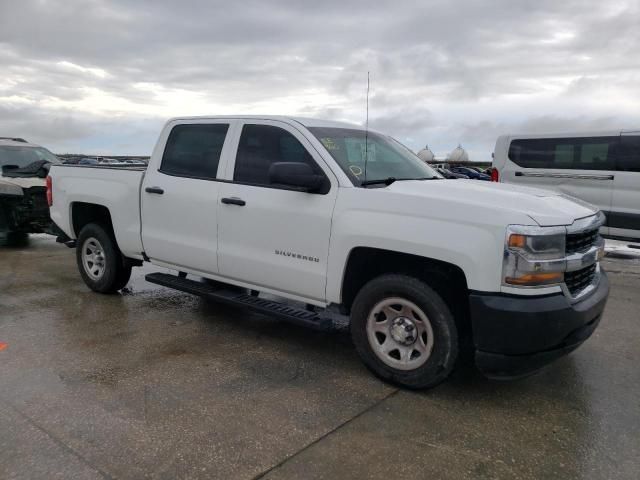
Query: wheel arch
x=83, y=213
x=448, y=280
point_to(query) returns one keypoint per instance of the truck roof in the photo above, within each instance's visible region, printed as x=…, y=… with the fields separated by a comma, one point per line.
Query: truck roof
x=307, y=122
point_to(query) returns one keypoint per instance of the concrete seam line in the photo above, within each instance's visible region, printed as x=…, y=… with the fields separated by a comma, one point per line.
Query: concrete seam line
x=325, y=435
x=57, y=441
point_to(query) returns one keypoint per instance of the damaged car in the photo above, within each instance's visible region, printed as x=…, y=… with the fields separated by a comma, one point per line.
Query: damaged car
x=23, y=194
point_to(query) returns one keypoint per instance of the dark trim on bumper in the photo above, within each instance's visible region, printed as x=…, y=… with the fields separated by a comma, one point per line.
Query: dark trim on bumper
x=516, y=335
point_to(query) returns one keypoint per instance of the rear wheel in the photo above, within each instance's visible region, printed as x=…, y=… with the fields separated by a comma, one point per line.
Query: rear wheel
x=100, y=262
x=404, y=331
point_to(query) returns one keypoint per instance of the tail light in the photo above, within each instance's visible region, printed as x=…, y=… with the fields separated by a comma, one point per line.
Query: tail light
x=495, y=175
x=49, y=191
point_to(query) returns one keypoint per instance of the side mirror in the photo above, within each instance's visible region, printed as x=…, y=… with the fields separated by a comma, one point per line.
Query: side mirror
x=300, y=176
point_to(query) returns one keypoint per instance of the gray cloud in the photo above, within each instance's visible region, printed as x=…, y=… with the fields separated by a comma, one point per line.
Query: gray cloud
x=102, y=76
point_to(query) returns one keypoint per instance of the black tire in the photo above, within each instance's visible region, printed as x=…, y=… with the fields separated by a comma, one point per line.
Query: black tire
x=115, y=274
x=123, y=277
x=444, y=349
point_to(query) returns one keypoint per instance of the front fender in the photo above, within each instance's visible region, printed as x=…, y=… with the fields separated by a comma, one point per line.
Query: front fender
x=474, y=248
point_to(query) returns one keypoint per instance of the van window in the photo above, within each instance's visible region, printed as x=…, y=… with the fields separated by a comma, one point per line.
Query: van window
x=194, y=150
x=262, y=145
x=564, y=156
x=584, y=153
x=629, y=154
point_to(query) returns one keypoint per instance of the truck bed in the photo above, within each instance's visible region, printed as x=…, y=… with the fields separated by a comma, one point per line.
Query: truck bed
x=114, y=187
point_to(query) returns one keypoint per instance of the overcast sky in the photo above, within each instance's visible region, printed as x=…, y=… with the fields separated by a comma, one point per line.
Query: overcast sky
x=101, y=76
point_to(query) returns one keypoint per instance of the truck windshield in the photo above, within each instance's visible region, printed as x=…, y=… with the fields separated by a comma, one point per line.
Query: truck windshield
x=386, y=158
x=23, y=156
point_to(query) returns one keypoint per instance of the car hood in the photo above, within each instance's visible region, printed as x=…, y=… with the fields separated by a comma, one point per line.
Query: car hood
x=545, y=207
x=23, y=182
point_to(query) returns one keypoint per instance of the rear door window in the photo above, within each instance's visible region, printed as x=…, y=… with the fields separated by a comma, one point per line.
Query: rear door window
x=581, y=153
x=194, y=150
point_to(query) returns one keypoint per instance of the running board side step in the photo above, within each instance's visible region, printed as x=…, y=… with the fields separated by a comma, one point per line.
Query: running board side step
x=317, y=321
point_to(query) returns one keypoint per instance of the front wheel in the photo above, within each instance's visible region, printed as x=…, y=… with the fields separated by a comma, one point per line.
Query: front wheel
x=404, y=332
x=100, y=262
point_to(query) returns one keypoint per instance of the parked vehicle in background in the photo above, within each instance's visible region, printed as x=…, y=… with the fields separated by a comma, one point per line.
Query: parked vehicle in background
x=109, y=161
x=449, y=174
x=470, y=173
x=23, y=203
x=493, y=174
x=601, y=168
x=88, y=161
x=443, y=172
x=282, y=206
x=106, y=161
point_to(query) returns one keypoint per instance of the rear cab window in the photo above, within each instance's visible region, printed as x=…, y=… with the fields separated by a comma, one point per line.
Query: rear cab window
x=194, y=150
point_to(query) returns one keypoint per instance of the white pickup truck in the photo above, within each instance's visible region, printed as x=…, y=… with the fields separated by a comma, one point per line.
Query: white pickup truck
x=325, y=219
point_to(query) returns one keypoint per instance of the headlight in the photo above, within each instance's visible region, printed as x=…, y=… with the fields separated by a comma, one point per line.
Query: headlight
x=534, y=256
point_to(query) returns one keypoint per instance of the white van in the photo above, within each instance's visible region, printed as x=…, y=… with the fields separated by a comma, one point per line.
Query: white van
x=601, y=168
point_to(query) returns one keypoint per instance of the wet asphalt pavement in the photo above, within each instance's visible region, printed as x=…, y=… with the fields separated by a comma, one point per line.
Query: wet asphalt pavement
x=156, y=383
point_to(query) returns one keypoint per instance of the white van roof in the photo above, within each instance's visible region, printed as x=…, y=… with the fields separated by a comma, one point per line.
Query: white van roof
x=592, y=133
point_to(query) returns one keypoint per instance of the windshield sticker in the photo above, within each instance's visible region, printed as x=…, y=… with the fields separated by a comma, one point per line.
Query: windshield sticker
x=329, y=144
x=356, y=170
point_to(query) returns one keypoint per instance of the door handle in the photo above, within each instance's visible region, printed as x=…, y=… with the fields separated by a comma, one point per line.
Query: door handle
x=233, y=201
x=157, y=190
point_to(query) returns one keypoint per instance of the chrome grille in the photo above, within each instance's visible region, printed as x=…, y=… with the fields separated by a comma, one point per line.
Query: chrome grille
x=580, y=279
x=581, y=241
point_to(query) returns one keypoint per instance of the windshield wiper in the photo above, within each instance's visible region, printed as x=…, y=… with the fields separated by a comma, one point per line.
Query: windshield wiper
x=389, y=180
x=421, y=178
x=386, y=181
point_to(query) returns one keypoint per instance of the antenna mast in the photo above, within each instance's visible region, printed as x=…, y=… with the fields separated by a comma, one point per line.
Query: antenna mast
x=366, y=133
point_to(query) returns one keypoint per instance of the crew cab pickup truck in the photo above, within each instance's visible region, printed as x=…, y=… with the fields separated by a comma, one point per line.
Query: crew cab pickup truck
x=313, y=220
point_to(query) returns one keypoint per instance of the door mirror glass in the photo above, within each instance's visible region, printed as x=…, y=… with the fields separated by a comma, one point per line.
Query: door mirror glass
x=295, y=174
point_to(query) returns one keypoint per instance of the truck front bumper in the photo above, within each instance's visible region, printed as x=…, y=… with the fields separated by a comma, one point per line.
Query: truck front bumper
x=27, y=213
x=515, y=335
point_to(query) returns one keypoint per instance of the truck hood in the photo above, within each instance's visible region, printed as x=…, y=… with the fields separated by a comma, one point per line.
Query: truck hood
x=546, y=208
x=24, y=182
